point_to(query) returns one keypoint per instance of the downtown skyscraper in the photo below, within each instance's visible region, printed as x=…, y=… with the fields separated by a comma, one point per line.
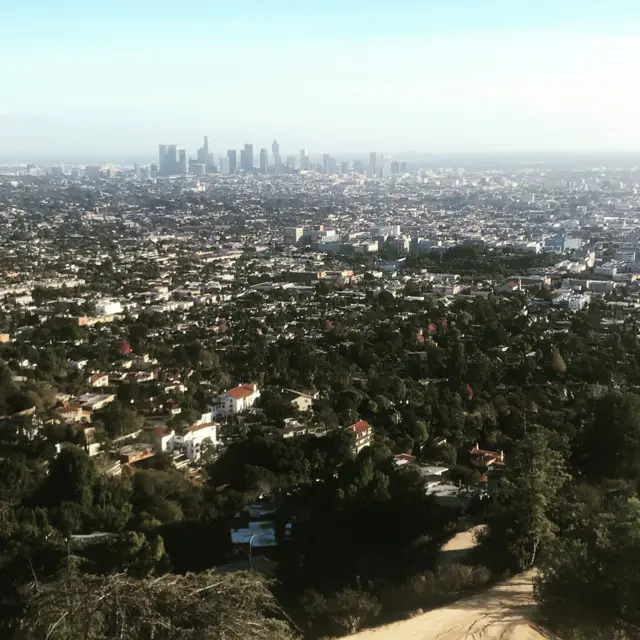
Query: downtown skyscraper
x=232, y=155
x=246, y=156
x=277, y=161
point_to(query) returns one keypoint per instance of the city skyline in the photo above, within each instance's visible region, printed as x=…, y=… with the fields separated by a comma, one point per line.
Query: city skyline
x=457, y=77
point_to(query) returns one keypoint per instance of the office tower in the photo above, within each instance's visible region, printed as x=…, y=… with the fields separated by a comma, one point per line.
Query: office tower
x=344, y=168
x=198, y=169
x=136, y=170
x=243, y=159
x=162, y=158
x=203, y=152
x=277, y=162
x=247, y=165
x=385, y=169
x=224, y=166
x=292, y=235
x=395, y=168
x=264, y=161
x=326, y=163
x=404, y=167
x=291, y=162
x=232, y=155
x=171, y=163
x=182, y=164
x=358, y=166
x=304, y=160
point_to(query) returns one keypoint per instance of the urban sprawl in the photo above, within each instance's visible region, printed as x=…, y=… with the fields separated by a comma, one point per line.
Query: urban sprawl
x=306, y=366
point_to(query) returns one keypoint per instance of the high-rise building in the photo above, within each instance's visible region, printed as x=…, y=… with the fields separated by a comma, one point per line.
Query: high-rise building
x=329, y=166
x=264, y=161
x=291, y=162
x=292, y=235
x=247, y=164
x=304, y=160
x=162, y=158
x=344, y=168
x=277, y=162
x=171, y=162
x=385, y=169
x=225, y=168
x=203, y=152
x=182, y=163
x=395, y=168
x=375, y=162
x=232, y=155
x=404, y=167
x=326, y=163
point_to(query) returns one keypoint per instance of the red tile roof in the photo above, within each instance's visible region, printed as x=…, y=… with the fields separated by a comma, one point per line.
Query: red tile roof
x=360, y=427
x=404, y=456
x=243, y=391
x=197, y=427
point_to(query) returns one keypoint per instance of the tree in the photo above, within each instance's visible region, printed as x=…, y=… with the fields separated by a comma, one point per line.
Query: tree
x=343, y=613
x=189, y=607
x=611, y=443
x=557, y=363
x=519, y=525
x=71, y=478
x=589, y=581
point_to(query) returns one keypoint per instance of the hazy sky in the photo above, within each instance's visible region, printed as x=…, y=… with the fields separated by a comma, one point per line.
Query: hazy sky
x=117, y=77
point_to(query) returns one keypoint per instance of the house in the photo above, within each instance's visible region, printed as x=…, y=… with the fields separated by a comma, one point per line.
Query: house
x=300, y=400
x=190, y=442
x=403, y=458
x=74, y=413
x=98, y=380
x=293, y=429
x=95, y=401
x=485, y=459
x=135, y=453
x=363, y=433
x=236, y=400
x=91, y=446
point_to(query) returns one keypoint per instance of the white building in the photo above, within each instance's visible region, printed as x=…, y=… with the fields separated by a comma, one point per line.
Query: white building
x=190, y=442
x=108, y=308
x=364, y=435
x=98, y=380
x=236, y=400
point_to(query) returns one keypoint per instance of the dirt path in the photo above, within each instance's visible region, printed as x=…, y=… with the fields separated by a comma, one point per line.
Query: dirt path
x=459, y=546
x=501, y=613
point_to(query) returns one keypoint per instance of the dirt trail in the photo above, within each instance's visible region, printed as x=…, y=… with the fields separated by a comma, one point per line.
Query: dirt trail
x=501, y=613
x=461, y=544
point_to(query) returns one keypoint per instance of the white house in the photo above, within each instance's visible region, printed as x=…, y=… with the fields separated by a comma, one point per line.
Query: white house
x=108, y=308
x=99, y=380
x=190, y=442
x=364, y=435
x=236, y=400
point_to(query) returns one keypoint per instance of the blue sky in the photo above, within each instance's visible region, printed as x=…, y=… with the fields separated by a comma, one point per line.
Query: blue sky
x=433, y=75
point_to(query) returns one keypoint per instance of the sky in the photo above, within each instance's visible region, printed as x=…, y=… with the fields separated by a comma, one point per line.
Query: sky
x=114, y=79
